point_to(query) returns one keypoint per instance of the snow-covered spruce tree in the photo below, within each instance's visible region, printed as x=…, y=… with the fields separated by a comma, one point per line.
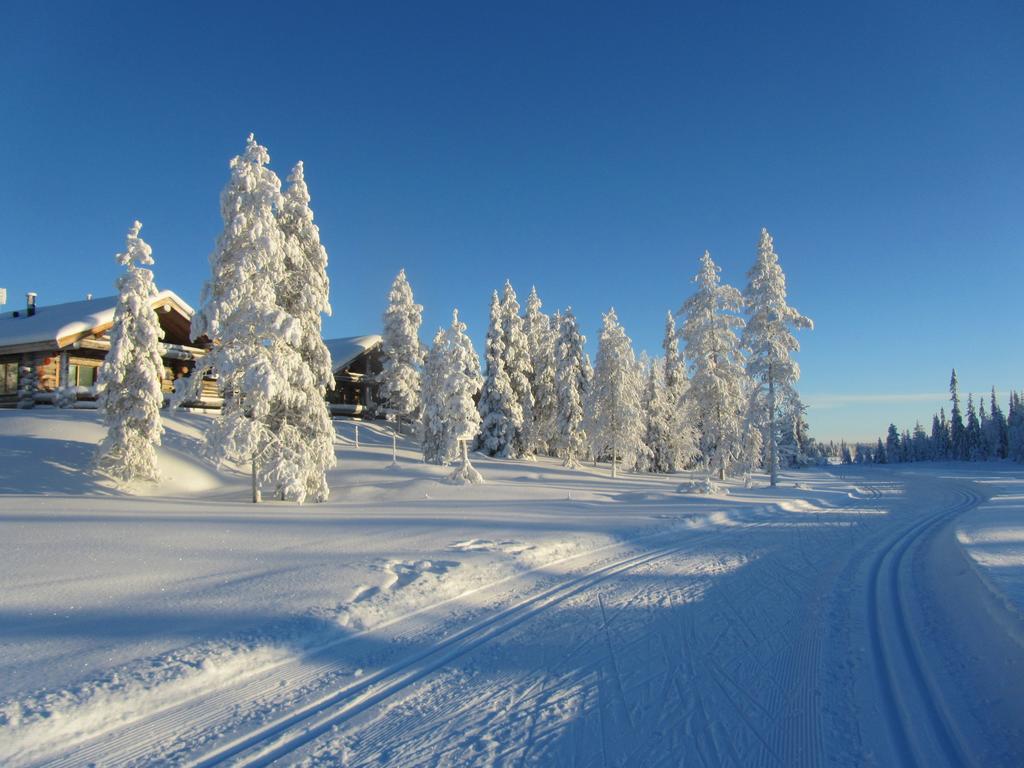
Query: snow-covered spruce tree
x=769, y=341
x=985, y=430
x=713, y=354
x=540, y=338
x=657, y=427
x=570, y=387
x=451, y=378
x=972, y=432
x=957, y=444
x=515, y=358
x=401, y=352
x=892, y=444
x=130, y=396
x=751, y=454
x=297, y=462
x=682, y=447
x=616, y=419
x=919, y=443
x=239, y=311
x=997, y=428
x=1015, y=428
x=434, y=401
x=457, y=384
x=501, y=414
x=28, y=385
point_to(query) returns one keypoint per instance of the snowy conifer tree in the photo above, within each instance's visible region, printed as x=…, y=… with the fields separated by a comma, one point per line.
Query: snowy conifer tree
x=540, y=337
x=892, y=444
x=297, y=461
x=769, y=341
x=434, y=401
x=451, y=378
x=130, y=396
x=570, y=388
x=972, y=432
x=682, y=446
x=251, y=354
x=1015, y=428
x=997, y=428
x=617, y=423
x=712, y=351
x=919, y=443
x=957, y=444
x=401, y=352
x=515, y=360
x=984, y=432
x=500, y=411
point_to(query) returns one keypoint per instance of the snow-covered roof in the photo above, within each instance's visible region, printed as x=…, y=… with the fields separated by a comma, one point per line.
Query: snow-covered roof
x=59, y=323
x=345, y=350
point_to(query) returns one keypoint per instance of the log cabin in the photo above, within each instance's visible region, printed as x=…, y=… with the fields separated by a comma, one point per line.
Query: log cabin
x=65, y=343
x=356, y=361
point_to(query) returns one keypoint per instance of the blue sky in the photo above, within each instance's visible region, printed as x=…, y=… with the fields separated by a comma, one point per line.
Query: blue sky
x=594, y=150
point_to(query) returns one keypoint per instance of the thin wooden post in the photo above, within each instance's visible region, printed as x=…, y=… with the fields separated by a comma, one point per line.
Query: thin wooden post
x=256, y=497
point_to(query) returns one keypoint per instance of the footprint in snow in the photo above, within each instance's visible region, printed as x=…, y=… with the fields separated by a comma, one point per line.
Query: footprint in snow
x=399, y=574
x=508, y=546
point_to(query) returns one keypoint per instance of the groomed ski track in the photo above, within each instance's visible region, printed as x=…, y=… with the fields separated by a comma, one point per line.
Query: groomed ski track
x=731, y=646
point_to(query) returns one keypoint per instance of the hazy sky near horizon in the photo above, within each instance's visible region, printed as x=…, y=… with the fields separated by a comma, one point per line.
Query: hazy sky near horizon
x=594, y=150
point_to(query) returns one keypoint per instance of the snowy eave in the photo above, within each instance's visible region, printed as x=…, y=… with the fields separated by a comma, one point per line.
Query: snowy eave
x=63, y=324
x=345, y=350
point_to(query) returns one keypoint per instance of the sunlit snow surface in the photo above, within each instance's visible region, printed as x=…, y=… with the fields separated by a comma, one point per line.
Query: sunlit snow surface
x=547, y=617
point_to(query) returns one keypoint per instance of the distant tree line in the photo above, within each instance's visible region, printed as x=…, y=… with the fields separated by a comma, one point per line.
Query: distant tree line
x=980, y=434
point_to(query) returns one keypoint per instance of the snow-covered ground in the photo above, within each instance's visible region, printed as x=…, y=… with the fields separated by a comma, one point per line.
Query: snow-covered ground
x=550, y=616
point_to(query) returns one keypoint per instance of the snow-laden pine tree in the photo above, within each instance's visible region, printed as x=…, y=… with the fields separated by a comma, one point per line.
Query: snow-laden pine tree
x=919, y=444
x=769, y=341
x=985, y=431
x=515, y=358
x=615, y=416
x=957, y=443
x=682, y=445
x=713, y=354
x=540, y=338
x=752, y=439
x=657, y=417
x=401, y=352
x=451, y=379
x=501, y=415
x=570, y=388
x=892, y=444
x=997, y=428
x=130, y=396
x=239, y=312
x=434, y=401
x=972, y=432
x=297, y=461
x=1015, y=427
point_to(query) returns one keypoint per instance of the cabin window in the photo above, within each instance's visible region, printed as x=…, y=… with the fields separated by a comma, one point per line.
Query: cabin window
x=8, y=378
x=81, y=375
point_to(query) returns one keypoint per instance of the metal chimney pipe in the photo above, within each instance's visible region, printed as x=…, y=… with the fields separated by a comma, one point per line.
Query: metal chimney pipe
x=31, y=307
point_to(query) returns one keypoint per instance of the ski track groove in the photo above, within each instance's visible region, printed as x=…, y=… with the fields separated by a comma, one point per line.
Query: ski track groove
x=886, y=595
x=349, y=701
x=204, y=713
x=773, y=651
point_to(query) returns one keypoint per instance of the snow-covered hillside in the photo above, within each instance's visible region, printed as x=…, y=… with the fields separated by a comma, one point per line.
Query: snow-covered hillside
x=550, y=616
